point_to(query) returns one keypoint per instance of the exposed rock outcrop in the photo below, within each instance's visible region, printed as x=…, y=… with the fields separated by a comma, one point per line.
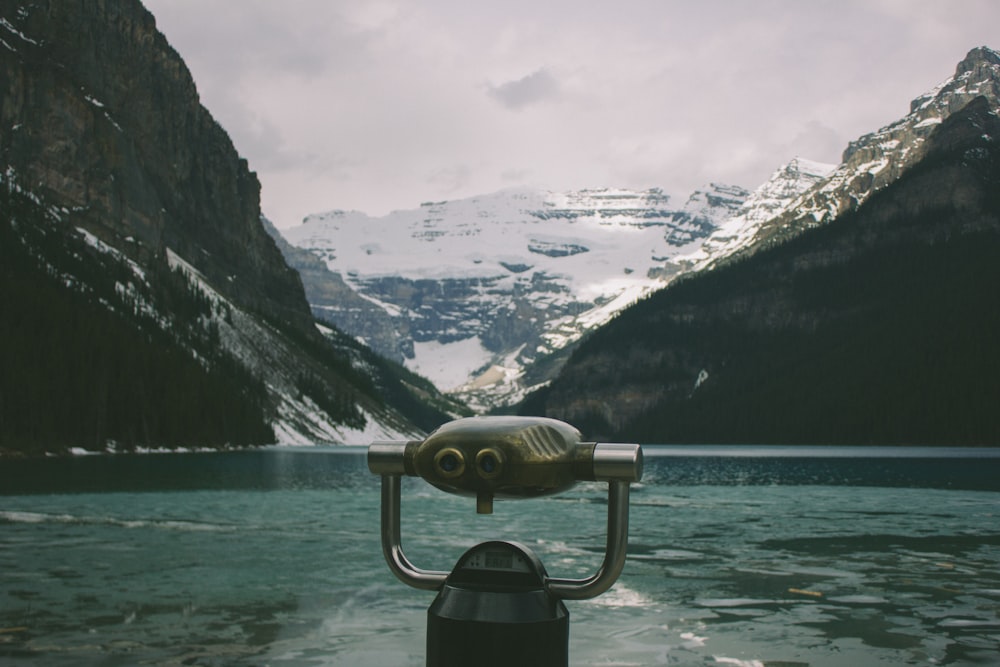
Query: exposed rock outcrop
x=100, y=114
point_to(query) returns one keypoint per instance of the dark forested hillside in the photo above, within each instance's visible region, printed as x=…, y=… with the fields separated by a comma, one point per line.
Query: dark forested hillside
x=878, y=328
x=87, y=368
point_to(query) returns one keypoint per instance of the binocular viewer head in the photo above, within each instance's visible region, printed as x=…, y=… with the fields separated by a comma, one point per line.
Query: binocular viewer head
x=506, y=457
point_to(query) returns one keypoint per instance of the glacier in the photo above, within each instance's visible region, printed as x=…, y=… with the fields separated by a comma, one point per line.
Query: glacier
x=479, y=288
x=471, y=293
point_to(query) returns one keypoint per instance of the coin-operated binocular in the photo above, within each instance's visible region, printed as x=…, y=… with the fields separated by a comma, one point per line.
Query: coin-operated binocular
x=498, y=606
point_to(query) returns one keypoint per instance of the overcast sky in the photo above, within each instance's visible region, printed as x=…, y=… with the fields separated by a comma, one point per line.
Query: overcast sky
x=379, y=105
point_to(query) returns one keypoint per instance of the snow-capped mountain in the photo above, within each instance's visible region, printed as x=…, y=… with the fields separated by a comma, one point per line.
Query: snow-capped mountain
x=765, y=204
x=478, y=288
x=470, y=293
x=804, y=194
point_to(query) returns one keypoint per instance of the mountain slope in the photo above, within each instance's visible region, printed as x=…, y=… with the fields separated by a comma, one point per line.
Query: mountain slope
x=771, y=200
x=875, y=160
x=110, y=166
x=877, y=328
x=78, y=374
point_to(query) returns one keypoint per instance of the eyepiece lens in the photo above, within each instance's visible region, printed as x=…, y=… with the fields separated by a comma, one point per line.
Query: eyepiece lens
x=448, y=463
x=489, y=462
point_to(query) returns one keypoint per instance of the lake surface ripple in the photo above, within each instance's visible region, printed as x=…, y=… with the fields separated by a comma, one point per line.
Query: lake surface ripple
x=756, y=556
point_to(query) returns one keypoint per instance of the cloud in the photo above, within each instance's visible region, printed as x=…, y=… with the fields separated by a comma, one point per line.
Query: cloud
x=531, y=89
x=817, y=141
x=450, y=179
x=515, y=175
x=381, y=104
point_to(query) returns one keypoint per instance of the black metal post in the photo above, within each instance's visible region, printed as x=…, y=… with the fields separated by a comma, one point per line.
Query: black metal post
x=494, y=611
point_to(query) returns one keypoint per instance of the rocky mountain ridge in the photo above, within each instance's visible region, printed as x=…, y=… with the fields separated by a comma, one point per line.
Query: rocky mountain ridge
x=764, y=204
x=875, y=160
x=155, y=165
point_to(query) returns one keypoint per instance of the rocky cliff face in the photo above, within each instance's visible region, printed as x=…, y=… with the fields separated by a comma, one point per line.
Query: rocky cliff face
x=103, y=134
x=768, y=202
x=333, y=300
x=875, y=160
x=100, y=114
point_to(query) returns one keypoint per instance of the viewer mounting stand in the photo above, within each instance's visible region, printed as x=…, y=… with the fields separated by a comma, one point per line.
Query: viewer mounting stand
x=498, y=606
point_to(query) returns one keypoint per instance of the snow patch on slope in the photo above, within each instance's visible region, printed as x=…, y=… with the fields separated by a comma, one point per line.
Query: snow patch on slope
x=447, y=364
x=766, y=203
x=299, y=420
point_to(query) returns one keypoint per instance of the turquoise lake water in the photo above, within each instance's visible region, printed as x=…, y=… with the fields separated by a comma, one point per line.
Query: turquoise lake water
x=757, y=556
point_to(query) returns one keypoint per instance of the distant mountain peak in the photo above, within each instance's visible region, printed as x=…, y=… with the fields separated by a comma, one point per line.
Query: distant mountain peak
x=802, y=166
x=762, y=205
x=977, y=57
x=876, y=159
x=977, y=74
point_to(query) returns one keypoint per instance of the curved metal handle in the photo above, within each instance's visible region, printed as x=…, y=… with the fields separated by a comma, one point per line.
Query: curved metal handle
x=392, y=547
x=618, y=465
x=614, y=552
